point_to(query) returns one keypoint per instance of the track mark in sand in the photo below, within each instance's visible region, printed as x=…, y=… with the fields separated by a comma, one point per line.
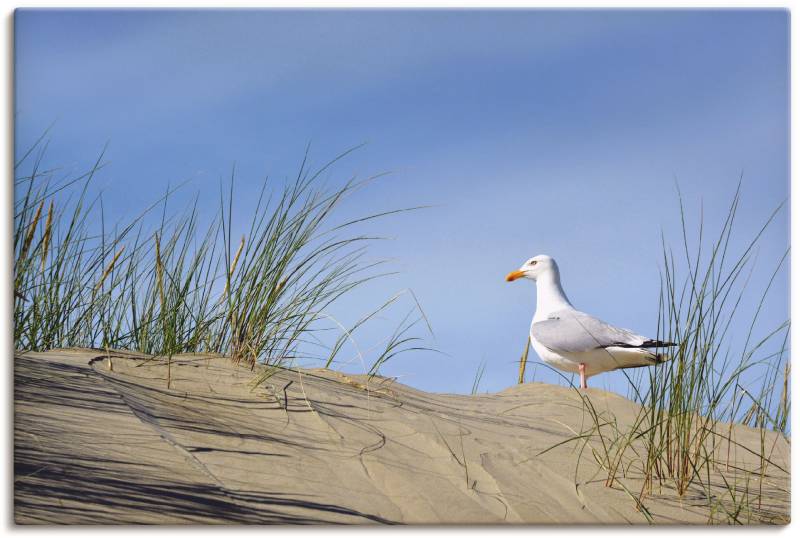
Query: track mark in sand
x=165, y=435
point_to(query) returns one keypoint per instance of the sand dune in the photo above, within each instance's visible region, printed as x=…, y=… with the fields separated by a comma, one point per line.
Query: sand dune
x=101, y=440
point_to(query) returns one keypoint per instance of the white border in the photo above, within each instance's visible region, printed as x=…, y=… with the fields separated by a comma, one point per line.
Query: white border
x=6, y=226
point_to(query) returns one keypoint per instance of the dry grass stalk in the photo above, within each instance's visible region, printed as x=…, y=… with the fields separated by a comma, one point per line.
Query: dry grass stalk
x=31, y=231
x=233, y=267
x=109, y=268
x=279, y=286
x=523, y=361
x=48, y=234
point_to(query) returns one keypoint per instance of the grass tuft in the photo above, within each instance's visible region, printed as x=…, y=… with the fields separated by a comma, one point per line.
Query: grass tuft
x=169, y=283
x=687, y=437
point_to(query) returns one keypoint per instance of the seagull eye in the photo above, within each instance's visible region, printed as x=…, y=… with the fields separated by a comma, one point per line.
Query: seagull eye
x=532, y=262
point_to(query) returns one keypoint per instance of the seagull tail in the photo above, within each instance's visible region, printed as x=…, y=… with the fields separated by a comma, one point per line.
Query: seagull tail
x=661, y=357
x=635, y=357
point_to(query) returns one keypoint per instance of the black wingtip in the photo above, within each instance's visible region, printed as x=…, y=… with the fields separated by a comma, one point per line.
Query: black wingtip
x=647, y=344
x=658, y=343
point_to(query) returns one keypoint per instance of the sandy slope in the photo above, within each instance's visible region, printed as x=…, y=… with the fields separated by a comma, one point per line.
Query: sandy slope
x=99, y=441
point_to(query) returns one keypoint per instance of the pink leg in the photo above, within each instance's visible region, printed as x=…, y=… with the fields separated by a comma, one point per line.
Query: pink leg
x=582, y=370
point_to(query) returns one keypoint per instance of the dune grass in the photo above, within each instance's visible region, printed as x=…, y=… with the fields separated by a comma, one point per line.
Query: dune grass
x=684, y=438
x=182, y=285
x=171, y=282
x=523, y=361
x=476, y=382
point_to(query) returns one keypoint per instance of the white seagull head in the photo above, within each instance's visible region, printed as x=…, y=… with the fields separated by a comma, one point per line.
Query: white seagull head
x=534, y=268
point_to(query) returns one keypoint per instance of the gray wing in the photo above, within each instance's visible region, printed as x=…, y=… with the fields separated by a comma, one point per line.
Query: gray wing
x=572, y=331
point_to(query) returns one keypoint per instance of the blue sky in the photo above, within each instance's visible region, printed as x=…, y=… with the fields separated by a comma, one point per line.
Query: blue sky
x=528, y=132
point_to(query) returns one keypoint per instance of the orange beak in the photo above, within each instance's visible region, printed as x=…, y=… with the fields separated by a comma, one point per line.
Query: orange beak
x=513, y=275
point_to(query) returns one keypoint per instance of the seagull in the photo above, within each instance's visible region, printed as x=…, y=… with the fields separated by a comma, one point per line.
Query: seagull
x=574, y=341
